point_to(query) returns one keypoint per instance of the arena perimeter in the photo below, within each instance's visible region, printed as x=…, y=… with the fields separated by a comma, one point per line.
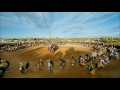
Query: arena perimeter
x=33, y=54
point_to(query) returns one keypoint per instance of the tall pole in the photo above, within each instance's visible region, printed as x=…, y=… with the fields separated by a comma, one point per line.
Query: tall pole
x=46, y=25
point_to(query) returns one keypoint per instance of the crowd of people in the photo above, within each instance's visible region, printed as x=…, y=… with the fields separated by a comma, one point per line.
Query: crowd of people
x=52, y=47
x=90, y=61
x=98, y=58
x=13, y=47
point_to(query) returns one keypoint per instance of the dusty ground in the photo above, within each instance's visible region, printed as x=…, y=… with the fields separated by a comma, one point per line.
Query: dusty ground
x=33, y=54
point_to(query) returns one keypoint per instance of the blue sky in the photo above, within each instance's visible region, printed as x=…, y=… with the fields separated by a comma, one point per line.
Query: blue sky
x=60, y=24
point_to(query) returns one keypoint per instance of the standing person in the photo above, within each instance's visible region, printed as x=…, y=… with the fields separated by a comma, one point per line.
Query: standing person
x=82, y=61
x=100, y=63
x=116, y=55
x=73, y=60
x=87, y=58
x=79, y=59
x=50, y=65
x=90, y=68
x=62, y=63
x=1, y=63
x=107, y=59
x=111, y=56
x=27, y=64
x=40, y=64
x=22, y=67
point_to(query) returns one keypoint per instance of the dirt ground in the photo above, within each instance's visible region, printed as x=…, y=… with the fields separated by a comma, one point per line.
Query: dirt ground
x=33, y=54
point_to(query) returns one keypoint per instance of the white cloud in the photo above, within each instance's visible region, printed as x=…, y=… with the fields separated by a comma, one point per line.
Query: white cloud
x=72, y=23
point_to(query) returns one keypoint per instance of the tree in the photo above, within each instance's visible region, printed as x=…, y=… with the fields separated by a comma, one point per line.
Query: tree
x=104, y=39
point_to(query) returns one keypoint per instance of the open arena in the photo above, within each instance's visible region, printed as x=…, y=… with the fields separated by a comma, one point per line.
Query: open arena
x=34, y=53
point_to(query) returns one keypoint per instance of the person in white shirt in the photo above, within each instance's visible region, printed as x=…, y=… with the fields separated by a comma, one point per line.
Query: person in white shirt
x=116, y=55
x=50, y=65
x=107, y=59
